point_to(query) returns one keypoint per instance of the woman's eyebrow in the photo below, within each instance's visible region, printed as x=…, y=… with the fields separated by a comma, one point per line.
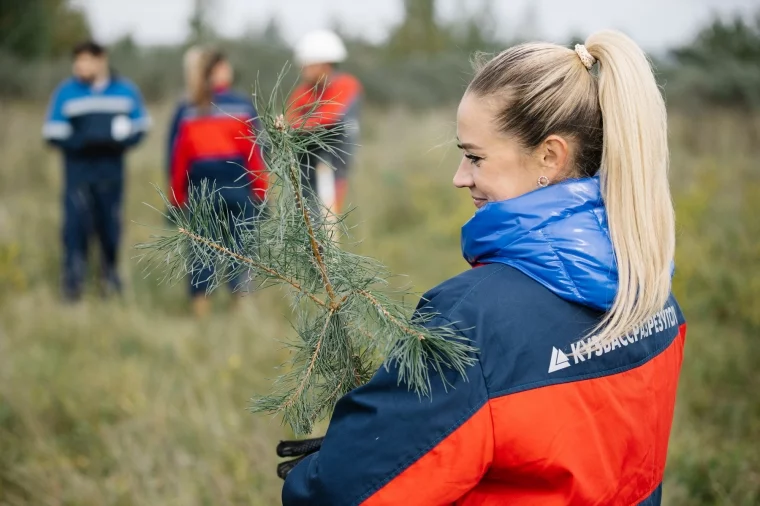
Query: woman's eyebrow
x=467, y=146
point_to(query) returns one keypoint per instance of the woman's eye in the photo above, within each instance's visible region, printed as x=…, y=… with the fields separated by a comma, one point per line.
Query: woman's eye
x=475, y=160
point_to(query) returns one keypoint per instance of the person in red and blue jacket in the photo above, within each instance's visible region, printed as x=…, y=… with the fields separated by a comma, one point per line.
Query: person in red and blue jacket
x=210, y=139
x=330, y=99
x=93, y=118
x=580, y=341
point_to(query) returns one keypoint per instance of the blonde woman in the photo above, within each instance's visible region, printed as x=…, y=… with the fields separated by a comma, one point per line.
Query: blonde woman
x=580, y=342
x=210, y=140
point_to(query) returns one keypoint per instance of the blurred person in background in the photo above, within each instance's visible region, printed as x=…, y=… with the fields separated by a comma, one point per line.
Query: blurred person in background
x=94, y=117
x=210, y=139
x=330, y=99
x=580, y=342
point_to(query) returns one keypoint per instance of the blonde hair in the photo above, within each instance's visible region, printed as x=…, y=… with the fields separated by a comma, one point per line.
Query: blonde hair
x=617, y=122
x=199, y=64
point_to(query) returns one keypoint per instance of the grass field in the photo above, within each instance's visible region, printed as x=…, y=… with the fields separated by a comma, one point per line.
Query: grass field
x=133, y=402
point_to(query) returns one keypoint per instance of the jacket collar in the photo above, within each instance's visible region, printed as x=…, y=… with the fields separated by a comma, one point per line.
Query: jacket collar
x=557, y=235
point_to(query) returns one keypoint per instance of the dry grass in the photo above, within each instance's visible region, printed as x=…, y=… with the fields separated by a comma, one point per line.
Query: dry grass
x=133, y=402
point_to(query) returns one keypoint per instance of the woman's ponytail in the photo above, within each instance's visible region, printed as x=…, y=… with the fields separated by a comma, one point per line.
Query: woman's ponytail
x=198, y=79
x=634, y=180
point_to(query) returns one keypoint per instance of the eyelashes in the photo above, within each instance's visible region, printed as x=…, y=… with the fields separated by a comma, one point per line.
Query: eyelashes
x=475, y=160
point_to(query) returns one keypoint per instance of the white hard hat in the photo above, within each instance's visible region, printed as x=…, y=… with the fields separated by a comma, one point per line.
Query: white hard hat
x=320, y=46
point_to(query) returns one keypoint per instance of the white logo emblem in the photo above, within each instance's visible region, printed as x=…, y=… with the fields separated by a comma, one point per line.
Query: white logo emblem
x=559, y=360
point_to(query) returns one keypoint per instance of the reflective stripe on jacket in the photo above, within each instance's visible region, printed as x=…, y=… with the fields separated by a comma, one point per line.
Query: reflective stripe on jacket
x=94, y=127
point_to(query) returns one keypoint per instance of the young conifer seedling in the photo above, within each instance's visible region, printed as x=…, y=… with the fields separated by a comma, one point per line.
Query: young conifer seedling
x=346, y=318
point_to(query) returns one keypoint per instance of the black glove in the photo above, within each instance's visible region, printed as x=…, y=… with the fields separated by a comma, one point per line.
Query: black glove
x=299, y=449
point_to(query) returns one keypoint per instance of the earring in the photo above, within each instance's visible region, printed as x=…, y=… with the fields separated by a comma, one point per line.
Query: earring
x=543, y=181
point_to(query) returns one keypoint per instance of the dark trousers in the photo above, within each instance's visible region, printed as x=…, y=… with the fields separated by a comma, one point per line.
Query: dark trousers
x=239, y=213
x=91, y=208
x=340, y=161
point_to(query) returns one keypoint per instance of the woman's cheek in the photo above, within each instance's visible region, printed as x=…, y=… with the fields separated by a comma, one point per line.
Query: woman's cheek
x=483, y=179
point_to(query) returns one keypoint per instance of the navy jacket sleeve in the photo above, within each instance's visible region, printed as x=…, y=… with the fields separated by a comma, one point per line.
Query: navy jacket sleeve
x=383, y=439
x=172, y=136
x=57, y=129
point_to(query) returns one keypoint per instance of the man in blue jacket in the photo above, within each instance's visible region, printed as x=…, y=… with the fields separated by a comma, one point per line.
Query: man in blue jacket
x=94, y=117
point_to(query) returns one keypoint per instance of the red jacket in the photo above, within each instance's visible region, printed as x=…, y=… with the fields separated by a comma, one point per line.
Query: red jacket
x=326, y=105
x=218, y=147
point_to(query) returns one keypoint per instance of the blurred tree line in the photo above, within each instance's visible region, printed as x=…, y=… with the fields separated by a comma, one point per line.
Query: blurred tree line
x=424, y=62
x=40, y=29
x=721, y=66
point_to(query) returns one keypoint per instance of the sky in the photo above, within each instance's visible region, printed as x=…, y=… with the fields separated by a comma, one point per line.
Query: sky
x=654, y=24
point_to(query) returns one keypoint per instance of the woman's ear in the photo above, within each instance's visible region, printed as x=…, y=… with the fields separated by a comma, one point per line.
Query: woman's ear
x=554, y=154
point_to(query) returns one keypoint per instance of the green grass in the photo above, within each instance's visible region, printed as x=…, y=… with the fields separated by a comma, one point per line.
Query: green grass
x=134, y=402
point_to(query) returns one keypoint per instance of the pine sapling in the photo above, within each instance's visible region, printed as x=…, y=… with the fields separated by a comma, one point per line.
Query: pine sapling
x=345, y=316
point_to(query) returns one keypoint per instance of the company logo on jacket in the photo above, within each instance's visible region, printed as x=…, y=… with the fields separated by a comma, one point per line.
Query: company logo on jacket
x=582, y=350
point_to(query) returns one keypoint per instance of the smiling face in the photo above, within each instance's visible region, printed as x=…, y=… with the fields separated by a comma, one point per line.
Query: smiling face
x=495, y=166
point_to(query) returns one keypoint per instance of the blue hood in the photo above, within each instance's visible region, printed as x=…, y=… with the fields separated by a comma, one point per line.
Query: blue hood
x=557, y=235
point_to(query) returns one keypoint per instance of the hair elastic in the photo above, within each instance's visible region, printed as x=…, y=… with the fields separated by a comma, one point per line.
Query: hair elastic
x=586, y=58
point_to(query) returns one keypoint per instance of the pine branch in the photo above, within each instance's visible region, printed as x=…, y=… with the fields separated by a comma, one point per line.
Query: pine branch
x=385, y=313
x=307, y=375
x=346, y=322
x=312, y=239
x=252, y=263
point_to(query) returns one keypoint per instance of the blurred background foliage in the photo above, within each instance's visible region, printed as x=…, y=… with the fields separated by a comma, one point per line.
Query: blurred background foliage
x=721, y=66
x=133, y=402
x=40, y=29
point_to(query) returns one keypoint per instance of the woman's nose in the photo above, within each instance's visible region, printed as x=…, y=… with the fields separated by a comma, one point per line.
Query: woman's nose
x=463, y=176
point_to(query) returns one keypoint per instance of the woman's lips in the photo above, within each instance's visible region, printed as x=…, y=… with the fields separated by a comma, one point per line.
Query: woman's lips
x=479, y=202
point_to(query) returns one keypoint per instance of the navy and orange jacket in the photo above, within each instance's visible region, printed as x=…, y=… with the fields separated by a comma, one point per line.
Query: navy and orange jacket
x=216, y=146
x=335, y=102
x=533, y=422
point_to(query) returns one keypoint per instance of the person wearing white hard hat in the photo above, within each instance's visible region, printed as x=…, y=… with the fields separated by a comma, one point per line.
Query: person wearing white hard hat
x=326, y=98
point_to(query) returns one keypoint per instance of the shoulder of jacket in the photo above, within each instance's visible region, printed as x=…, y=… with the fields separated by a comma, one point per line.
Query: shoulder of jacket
x=234, y=98
x=68, y=86
x=226, y=96
x=181, y=105
x=446, y=298
x=499, y=294
x=300, y=90
x=126, y=86
x=346, y=78
x=346, y=81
